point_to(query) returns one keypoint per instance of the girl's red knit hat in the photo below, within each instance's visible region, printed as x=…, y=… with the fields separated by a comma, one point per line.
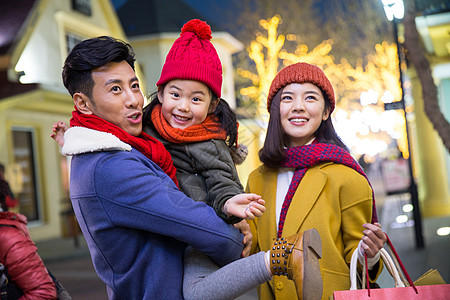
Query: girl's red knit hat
x=193, y=57
x=302, y=73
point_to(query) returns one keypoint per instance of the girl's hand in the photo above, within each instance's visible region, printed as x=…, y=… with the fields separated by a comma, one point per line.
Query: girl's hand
x=373, y=239
x=59, y=128
x=245, y=206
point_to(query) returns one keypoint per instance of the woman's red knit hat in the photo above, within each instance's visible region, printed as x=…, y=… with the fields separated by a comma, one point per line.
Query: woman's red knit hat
x=302, y=73
x=193, y=57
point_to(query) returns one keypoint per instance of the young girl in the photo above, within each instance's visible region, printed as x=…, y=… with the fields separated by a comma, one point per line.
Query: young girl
x=200, y=131
x=309, y=180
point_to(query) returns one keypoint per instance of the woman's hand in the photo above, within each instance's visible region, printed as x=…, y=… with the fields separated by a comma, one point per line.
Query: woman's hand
x=373, y=239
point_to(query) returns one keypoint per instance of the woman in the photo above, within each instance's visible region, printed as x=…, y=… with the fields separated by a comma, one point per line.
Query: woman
x=309, y=180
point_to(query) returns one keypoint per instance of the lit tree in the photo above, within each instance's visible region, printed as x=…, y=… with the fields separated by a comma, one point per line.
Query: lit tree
x=319, y=56
x=266, y=53
x=376, y=80
x=266, y=63
x=354, y=27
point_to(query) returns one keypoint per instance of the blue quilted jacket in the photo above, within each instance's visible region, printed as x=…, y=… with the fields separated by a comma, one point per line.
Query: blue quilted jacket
x=135, y=220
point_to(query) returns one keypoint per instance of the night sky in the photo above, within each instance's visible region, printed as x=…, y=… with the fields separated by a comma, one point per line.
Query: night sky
x=210, y=9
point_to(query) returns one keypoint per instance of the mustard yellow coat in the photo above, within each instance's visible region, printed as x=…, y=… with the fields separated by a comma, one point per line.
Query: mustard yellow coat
x=334, y=199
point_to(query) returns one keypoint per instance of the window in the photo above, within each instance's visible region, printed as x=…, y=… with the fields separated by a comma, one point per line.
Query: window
x=75, y=28
x=25, y=157
x=71, y=40
x=82, y=6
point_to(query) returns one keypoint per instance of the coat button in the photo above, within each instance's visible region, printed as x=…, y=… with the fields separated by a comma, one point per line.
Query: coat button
x=279, y=285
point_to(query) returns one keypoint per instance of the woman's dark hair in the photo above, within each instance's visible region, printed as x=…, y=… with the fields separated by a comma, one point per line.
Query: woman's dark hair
x=224, y=113
x=272, y=152
x=90, y=54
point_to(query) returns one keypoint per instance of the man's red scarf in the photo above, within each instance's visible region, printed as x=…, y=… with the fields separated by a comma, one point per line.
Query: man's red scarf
x=144, y=143
x=303, y=157
x=207, y=130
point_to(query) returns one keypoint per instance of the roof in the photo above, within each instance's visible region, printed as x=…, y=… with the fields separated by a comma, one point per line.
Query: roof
x=9, y=89
x=156, y=16
x=12, y=16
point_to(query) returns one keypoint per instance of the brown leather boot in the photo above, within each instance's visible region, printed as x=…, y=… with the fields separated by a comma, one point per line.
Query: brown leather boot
x=297, y=257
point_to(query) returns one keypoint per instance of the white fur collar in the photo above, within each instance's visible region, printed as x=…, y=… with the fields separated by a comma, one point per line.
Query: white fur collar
x=79, y=140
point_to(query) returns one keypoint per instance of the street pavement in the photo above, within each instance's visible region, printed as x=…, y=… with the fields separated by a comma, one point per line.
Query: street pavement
x=79, y=278
x=69, y=261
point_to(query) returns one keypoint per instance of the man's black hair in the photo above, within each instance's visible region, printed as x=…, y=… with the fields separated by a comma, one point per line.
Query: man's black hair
x=90, y=54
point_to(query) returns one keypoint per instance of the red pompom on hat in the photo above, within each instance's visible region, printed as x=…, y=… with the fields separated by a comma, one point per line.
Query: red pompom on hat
x=193, y=57
x=302, y=73
x=198, y=27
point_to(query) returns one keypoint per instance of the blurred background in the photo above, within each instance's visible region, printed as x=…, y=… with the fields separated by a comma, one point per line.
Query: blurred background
x=389, y=61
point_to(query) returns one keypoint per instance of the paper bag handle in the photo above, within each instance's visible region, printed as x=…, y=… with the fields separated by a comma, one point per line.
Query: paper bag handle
x=390, y=265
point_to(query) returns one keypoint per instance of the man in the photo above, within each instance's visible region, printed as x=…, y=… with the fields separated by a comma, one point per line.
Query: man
x=134, y=218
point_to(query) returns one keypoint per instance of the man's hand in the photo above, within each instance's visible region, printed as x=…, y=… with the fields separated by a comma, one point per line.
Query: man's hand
x=244, y=228
x=245, y=206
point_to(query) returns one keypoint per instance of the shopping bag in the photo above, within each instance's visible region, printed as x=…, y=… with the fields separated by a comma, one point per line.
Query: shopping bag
x=404, y=287
x=431, y=277
x=431, y=292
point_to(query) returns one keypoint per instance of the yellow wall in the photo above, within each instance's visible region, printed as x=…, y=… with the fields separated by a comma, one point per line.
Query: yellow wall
x=49, y=183
x=249, y=135
x=432, y=184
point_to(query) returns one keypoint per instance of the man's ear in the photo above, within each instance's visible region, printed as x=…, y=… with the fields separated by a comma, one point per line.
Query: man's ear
x=160, y=94
x=213, y=105
x=83, y=103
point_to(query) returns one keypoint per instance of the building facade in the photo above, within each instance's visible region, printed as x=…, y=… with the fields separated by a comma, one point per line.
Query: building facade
x=433, y=159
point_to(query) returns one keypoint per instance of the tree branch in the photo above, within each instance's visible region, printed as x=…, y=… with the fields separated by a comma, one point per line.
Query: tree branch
x=420, y=62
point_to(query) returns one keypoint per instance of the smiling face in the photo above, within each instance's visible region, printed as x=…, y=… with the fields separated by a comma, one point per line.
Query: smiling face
x=116, y=97
x=302, y=110
x=185, y=102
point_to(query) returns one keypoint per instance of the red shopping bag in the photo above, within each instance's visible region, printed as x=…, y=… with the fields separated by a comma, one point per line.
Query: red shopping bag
x=432, y=292
x=404, y=287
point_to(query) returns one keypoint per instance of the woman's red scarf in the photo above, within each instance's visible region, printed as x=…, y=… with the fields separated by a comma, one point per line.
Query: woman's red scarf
x=207, y=130
x=303, y=157
x=144, y=143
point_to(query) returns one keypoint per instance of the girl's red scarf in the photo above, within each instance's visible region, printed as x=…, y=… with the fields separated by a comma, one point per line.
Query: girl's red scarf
x=207, y=130
x=303, y=157
x=144, y=143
